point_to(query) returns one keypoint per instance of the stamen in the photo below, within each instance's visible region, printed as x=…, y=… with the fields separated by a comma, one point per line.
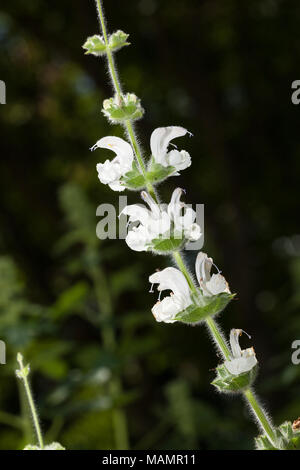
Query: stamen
x=151, y=289
x=93, y=147
x=190, y=134
x=243, y=331
x=159, y=296
x=173, y=145
x=219, y=272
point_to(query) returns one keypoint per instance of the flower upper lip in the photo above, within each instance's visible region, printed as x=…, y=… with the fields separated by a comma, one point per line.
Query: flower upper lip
x=111, y=171
x=159, y=143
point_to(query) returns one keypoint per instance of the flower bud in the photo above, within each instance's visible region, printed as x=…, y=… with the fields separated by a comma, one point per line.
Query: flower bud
x=95, y=45
x=118, y=40
x=124, y=108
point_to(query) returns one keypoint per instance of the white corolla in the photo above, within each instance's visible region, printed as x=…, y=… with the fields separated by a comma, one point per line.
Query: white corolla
x=210, y=285
x=159, y=143
x=159, y=221
x=243, y=360
x=111, y=171
x=165, y=310
x=179, y=299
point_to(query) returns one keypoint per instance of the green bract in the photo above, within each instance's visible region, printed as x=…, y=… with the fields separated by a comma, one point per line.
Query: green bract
x=227, y=382
x=204, y=307
x=118, y=40
x=287, y=439
x=95, y=45
x=157, y=173
x=167, y=243
x=52, y=446
x=134, y=179
x=124, y=108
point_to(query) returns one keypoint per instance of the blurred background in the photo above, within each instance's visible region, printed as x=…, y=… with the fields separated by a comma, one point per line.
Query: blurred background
x=78, y=308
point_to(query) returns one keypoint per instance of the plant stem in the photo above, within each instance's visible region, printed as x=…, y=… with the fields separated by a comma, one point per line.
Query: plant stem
x=118, y=90
x=111, y=64
x=218, y=337
x=180, y=263
x=260, y=416
x=23, y=376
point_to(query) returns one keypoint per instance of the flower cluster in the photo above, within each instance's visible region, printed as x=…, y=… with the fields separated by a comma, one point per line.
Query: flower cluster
x=180, y=299
x=158, y=229
x=120, y=172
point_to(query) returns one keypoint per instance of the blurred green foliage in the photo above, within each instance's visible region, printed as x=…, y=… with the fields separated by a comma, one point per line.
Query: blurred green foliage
x=224, y=71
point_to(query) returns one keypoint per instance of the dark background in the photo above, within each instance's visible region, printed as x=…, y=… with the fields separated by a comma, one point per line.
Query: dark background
x=223, y=70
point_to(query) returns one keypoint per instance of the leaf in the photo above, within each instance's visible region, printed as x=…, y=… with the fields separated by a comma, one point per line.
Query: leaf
x=134, y=179
x=158, y=172
x=166, y=243
x=70, y=300
x=204, y=307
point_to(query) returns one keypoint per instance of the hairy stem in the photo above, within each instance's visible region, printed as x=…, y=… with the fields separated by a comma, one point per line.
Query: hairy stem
x=260, y=416
x=35, y=419
x=118, y=89
x=218, y=337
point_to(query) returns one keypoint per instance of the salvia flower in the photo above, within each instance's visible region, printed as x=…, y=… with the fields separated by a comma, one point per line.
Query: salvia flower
x=242, y=360
x=192, y=307
x=161, y=229
x=111, y=171
x=159, y=143
x=179, y=299
x=210, y=285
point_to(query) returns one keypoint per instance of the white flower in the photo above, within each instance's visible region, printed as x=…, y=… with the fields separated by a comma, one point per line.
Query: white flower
x=243, y=360
x=158, y=222
x=159, y=143
x=180, y=299
x=210, y=285
x=183, y=224
x=111, y=171
x=170, y=279
x=152, y=223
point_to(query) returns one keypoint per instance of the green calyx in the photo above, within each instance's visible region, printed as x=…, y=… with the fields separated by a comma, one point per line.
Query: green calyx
x=167, y=243
x=227, y=382
x=118, y=40
x=123, y=108
x=287, y=438
x=155, y=174
x=204, y=307
x=96, y=45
